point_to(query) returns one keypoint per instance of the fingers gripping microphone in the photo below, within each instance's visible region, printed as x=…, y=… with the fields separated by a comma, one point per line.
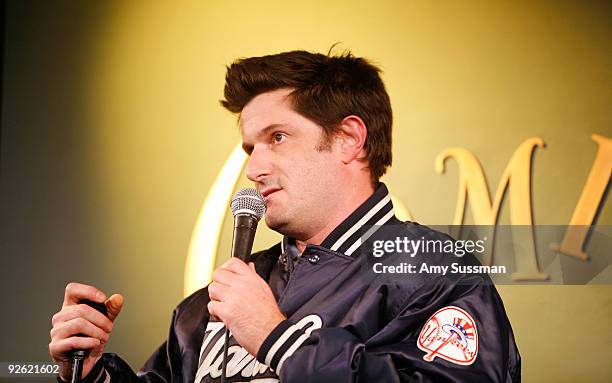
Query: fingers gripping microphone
x=248, y=207
x=78, y=356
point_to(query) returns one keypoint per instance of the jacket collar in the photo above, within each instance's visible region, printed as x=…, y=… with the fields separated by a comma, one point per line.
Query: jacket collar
x=346, y=237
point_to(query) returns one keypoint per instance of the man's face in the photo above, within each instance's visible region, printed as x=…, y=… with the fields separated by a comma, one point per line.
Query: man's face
x=288, y=165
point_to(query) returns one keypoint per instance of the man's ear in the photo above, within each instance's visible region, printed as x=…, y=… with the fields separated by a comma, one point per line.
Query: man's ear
x=350, y=138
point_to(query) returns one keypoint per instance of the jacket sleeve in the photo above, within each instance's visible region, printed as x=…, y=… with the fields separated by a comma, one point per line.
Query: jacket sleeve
x=176, y=360
x=340, y=354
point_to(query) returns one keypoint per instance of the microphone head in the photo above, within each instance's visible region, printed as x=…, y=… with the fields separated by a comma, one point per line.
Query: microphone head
x=248, y=201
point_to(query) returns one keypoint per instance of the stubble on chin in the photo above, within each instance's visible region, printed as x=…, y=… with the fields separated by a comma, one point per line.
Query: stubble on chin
x=273, y=222
x=281, y=224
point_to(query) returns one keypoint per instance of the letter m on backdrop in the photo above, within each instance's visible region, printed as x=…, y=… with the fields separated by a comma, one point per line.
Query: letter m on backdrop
x=517, y=181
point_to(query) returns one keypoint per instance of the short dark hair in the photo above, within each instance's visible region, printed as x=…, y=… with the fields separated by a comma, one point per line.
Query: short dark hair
x=326, y=89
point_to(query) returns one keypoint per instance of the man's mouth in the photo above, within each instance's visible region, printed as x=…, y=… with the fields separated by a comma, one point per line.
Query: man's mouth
x=269, y=190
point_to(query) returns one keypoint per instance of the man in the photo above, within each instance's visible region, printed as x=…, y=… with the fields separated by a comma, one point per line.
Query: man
x=317, y=129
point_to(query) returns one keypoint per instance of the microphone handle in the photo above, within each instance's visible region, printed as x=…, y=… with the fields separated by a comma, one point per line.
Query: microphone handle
x=78, y=356
x=245, y=226
x=77, y=365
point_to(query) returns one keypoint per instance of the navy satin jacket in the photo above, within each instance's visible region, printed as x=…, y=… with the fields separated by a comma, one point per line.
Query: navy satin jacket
x=346, y=323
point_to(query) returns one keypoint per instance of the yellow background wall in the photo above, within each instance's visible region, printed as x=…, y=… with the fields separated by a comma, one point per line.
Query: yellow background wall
x=480, y=75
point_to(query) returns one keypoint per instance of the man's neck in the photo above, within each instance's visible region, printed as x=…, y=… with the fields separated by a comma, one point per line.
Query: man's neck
x=346, y=206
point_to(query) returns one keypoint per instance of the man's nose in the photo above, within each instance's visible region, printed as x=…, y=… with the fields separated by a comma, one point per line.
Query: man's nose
x=258, y=167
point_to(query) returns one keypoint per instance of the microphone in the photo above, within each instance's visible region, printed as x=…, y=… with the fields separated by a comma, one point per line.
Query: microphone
x=248, y=207
x=78, y=356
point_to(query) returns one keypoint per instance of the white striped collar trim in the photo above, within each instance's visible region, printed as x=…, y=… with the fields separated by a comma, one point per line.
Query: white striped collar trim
x=347, y=237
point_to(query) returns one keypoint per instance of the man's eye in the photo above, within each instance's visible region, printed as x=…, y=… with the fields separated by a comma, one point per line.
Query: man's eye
x=278, y=137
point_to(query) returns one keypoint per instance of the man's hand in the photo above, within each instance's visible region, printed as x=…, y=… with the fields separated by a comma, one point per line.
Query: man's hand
x=243, y=301
x=75, y=318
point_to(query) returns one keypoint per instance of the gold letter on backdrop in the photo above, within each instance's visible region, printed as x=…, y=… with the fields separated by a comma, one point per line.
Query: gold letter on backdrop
x=517, y=176
x=590, y=200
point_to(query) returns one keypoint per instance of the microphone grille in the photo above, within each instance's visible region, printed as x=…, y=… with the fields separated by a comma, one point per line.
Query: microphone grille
x=248, y=201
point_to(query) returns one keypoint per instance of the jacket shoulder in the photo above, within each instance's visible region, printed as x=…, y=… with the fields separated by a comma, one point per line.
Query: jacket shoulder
x=416, y=230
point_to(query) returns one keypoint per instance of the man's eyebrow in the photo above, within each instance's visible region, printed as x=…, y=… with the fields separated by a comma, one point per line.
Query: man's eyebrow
x=248, y=148
x=267, y=129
